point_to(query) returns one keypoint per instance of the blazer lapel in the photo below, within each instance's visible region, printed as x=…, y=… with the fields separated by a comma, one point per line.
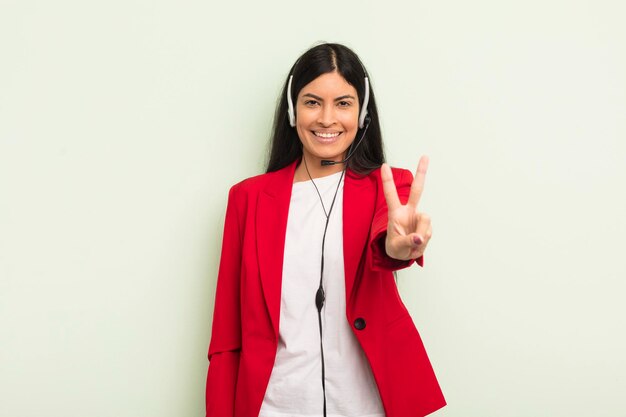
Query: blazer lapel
x=271, y=223
x=271, y=226
x=359, y=198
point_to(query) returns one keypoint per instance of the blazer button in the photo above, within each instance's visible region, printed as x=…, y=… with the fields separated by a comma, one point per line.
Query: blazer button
x=359, y=324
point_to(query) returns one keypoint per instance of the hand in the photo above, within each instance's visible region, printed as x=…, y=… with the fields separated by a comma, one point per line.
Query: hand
x=408, y=230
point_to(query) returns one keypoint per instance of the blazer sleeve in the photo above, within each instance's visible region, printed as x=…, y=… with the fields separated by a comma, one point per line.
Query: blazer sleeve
x=225, y=345
x=378, y=233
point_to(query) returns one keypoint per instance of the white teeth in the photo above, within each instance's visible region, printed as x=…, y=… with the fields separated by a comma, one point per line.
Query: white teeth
x=327, y=135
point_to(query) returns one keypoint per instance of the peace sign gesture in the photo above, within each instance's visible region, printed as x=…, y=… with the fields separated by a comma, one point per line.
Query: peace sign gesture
x=408, y=230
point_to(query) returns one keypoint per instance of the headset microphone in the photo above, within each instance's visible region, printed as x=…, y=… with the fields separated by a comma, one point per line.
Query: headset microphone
x=326, y=162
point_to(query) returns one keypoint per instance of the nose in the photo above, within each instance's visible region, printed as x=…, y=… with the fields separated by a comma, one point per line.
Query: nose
x=326, y=116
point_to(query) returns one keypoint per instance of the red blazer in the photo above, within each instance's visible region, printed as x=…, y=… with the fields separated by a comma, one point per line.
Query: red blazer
x=247, y=302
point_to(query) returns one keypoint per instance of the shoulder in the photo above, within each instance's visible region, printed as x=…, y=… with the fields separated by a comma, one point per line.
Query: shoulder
x=400, y=176
x=251, y=187
x=247, y=189
x=249, y=184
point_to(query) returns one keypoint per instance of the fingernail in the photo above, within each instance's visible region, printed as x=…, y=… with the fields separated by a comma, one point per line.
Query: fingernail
x=417, y=240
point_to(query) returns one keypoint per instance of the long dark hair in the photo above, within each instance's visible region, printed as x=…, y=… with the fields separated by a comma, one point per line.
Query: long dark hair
x=285, y=145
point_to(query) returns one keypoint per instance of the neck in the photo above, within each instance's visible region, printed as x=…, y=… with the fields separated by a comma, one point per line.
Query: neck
x=315, y=169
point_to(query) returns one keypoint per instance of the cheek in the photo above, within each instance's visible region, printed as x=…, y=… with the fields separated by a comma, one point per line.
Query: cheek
x=351, y=122
x=302, y=130
x=304, y=120
x=350, y=118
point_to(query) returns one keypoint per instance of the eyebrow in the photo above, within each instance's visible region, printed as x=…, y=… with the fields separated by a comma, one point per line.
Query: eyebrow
x=321, y=99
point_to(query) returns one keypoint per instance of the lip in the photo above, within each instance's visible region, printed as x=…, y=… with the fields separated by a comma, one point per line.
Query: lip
x=326, y=140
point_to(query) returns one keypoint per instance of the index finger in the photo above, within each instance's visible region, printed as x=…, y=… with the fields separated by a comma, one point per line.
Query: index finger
x=418, y=182
x=389, y=188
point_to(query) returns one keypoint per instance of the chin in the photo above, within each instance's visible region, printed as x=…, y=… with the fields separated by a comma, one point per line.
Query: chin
x=336, y=153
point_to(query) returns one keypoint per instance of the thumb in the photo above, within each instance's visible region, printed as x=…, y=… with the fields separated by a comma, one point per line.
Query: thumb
x=416, y=239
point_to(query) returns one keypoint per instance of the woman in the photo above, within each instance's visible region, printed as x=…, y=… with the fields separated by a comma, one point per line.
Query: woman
x=308, y=320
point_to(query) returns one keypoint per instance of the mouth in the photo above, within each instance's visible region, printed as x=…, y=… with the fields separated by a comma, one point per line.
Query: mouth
x=326, y=136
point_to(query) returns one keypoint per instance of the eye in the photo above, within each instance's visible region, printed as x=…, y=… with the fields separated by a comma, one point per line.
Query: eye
x=344, y=103
x=311, y=103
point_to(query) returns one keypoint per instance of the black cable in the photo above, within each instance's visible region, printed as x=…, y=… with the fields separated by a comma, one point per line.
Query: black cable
x=320, y=296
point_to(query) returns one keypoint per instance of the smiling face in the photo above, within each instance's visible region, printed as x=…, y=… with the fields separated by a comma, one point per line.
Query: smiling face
x=327, y=112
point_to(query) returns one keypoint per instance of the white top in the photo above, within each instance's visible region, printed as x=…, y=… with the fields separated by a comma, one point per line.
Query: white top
x=295, y=386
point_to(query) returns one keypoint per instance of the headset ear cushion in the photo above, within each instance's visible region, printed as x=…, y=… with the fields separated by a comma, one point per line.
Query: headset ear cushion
x=366, y=101
x=364, y=120
x=290, y=112
x=292, y=118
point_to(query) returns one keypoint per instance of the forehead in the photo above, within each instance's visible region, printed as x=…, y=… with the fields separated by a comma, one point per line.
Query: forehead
x=331, y=84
